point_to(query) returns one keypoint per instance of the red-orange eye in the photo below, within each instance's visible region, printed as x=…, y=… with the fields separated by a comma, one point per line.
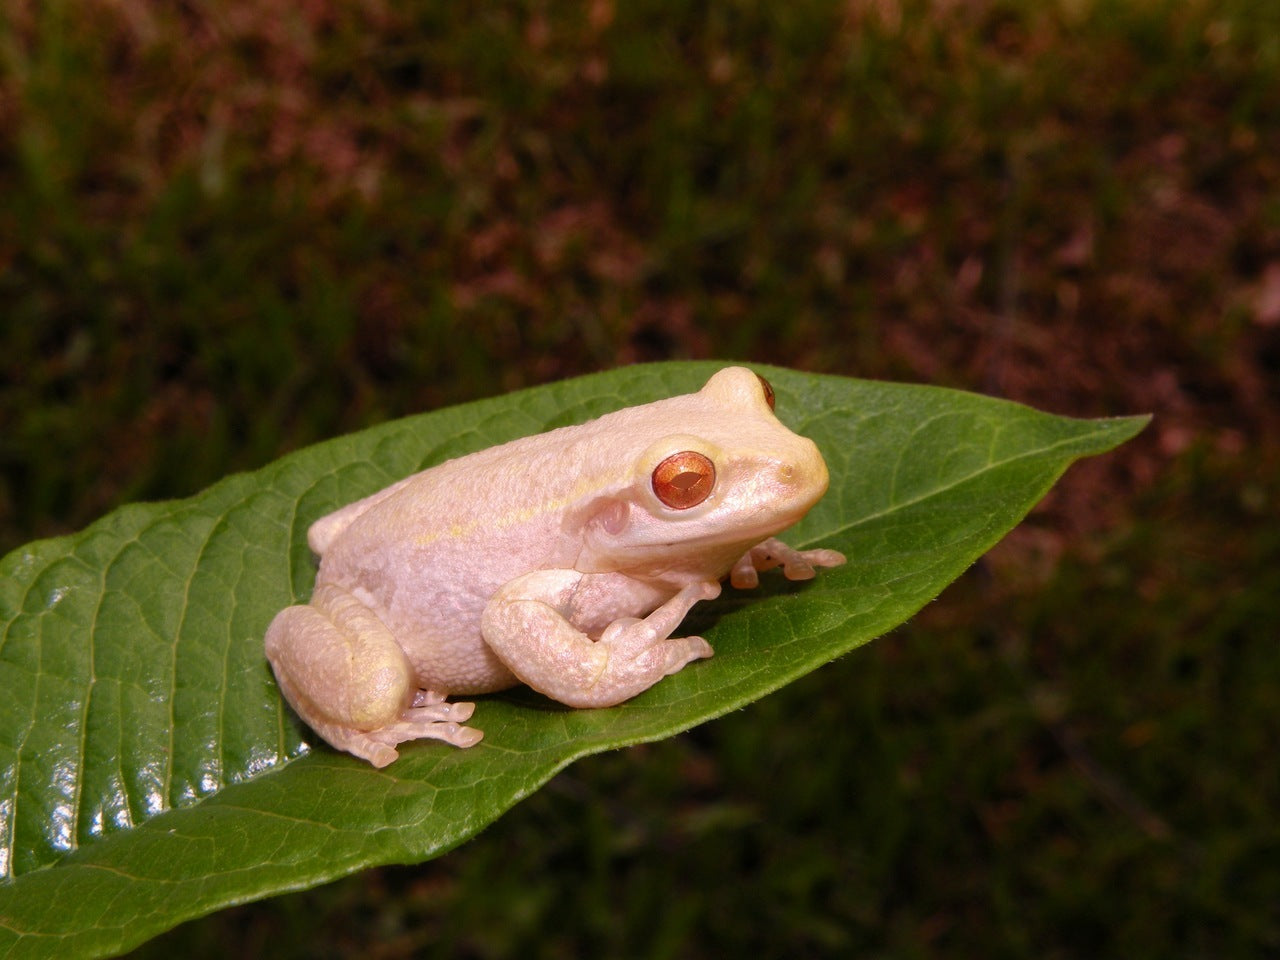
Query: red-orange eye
x=768, y=391
x=684, y=479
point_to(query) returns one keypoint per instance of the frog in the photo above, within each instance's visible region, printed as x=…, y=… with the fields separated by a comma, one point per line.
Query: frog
x=565, y=561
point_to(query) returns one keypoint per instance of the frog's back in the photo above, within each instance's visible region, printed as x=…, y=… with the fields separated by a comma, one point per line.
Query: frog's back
x=430, y=551
x=429, y=554
x=464, y=527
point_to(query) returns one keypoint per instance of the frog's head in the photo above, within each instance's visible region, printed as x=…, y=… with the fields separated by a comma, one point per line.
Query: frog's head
x=715, y=474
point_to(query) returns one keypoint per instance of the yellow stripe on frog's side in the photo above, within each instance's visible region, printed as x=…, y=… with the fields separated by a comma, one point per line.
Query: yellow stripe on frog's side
x=587, y=486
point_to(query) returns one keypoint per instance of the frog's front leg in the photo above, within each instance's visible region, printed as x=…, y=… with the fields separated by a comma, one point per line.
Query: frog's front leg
x=796, y=564
x=528, y=625
x=342, y=671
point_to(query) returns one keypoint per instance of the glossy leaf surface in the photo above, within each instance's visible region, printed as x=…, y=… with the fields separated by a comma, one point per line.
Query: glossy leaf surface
x=150, y=773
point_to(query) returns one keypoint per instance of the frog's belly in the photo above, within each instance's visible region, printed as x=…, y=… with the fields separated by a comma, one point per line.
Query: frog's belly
x=432, y=604
x=431, y=595
x=458, y=667
x=440, y=634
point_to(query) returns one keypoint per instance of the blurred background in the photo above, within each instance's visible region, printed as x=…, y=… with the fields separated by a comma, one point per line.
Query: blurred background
x=231, y=229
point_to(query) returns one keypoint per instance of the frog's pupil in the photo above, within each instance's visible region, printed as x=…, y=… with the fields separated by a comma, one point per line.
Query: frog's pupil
x=684, y=479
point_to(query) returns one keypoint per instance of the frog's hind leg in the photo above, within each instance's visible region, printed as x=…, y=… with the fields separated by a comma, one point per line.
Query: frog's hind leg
x=344, y=674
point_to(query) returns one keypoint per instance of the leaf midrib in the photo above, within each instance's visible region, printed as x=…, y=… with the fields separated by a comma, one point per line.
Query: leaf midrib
x=959, y=481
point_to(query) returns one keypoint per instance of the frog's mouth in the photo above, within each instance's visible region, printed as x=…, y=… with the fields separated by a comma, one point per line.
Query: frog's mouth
x=736, y=535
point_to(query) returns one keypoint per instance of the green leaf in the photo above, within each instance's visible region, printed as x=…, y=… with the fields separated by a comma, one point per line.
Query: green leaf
x=149, y=772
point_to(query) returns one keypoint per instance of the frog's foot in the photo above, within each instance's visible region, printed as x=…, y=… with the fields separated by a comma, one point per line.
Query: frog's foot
x=344, y=674
x=638, y=656
x=447, y=711
x=430, y=717
x=526, y=626
x=796, y=564
x=442, y=721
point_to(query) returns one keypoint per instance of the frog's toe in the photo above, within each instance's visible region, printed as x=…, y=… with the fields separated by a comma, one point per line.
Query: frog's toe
x=367, y=745
x=422, y=698
x=433, y=719
x=379, y=754
x=801, y=565
x=465, y=736
x=681, y=651
x=438, y=710
x=452, y=733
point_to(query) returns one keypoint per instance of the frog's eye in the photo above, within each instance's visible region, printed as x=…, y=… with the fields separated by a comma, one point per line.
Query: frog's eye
x=684, y=479
x=768, y=391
